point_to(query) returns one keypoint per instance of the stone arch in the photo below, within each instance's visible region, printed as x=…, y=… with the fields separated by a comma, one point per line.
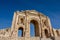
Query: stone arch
x=36, y=27
x=46, y=33
x=21, y=31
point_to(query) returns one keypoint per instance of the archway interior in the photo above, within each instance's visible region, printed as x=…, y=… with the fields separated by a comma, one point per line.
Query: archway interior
x=34, y=28
x=46, y=33
x=20, y=32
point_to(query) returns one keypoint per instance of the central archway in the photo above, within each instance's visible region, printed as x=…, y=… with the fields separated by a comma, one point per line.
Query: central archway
x=34, y=28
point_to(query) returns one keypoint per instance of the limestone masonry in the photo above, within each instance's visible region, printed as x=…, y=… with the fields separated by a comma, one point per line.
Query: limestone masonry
x=21, y=21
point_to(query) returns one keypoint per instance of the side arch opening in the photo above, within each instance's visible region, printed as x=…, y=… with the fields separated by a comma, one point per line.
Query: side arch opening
x=20, y=32
x=46, y=33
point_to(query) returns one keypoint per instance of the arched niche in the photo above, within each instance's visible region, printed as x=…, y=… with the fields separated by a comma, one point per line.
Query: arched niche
x=46, y=33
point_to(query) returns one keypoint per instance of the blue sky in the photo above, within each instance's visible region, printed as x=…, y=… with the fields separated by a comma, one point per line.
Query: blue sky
x=50, y=8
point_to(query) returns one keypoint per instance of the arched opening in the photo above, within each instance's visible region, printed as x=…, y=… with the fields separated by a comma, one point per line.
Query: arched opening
x=20, y=32
x=46, y=33
x=34, y=28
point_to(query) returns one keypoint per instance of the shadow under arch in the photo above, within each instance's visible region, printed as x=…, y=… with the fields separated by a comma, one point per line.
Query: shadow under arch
x=46, y=33
x=36, y=27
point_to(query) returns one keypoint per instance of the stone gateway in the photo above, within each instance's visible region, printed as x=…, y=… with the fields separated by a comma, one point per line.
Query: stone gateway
x=21, y=21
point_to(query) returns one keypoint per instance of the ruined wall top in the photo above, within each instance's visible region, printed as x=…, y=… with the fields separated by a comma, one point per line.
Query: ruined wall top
x=30, y=12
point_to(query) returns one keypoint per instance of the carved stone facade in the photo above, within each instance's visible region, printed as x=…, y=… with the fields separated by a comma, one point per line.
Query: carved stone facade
x=22, y=20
